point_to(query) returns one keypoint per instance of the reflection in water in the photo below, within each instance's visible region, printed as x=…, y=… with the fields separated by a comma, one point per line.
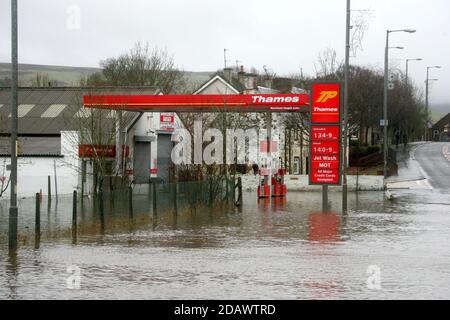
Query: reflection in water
x=324, y=227
x=281, y=249
x=12, y=273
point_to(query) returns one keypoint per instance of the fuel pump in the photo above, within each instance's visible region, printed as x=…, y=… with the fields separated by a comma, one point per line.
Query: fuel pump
x=263, y=187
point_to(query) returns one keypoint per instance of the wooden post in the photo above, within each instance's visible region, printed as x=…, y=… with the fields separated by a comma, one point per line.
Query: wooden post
x=102, y=211
x=210, y=192
x=49, y=190
x=130, y=202
x=239, y=187
x=100, y=201
x=175, y=197
x=325, y=198
x=74, y=217
x=37, y=225
x=56, y=180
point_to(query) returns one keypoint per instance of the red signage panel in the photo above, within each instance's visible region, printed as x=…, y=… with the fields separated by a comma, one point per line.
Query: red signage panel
x=202, y=102
x=263, y=146
x=87, y=150
x=325, y=145
x=325, y=103
x=325, y=133
x=325, y=176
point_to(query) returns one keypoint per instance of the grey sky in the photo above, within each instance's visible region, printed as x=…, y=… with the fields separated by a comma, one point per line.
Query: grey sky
x=283, y=35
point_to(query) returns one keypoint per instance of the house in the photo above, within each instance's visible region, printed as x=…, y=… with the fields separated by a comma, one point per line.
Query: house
x=292, y=150
x=50, y=142
x=440, y=131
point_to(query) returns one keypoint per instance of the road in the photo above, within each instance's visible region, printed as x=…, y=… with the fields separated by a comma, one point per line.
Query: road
x=434, y=159
x=422, y=167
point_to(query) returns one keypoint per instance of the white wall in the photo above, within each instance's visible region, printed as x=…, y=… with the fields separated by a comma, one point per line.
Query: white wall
x=32, y=173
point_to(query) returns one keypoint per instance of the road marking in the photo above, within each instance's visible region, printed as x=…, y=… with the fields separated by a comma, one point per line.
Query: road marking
x=446, y=152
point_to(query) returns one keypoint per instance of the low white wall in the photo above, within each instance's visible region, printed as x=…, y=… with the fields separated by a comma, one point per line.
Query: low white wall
x=32, y=176
x=33, y=172
x=301, y=183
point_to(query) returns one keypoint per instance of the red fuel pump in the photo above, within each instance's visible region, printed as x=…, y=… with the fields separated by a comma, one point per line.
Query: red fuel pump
x=263, y=187
x=278, y=185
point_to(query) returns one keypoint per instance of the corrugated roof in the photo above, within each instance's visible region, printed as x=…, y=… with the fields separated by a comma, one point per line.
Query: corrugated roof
x=47, y=116
x=54, y=110
x=33, y=146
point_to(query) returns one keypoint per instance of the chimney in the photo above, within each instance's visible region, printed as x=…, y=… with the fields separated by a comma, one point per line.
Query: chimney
x=241, y=75
x=227, y=74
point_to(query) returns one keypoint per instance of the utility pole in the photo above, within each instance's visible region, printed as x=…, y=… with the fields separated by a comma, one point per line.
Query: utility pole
x=13, y=211
x=385, y=102
x=345, y=134
x=427, y=83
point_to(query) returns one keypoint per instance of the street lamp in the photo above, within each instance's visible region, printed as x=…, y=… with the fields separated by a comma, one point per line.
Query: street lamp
x=385, y=104
x=13, y=210
x=407, y=62
x=427, y=81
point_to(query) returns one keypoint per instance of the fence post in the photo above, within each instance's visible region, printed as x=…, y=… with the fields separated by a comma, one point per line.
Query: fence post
x=49, y=189
x=37, y=225
x=102, y=211
x=210, y=191
x=239, y=186
x=74, y=217
x=175, y=197
x=130, y=202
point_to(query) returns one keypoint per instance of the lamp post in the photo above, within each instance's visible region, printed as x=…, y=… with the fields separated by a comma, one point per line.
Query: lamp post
x=385, y=102
x=427, y=81
x=407, y=63
x=426, y=84
x=345, y=134
x=13, y=211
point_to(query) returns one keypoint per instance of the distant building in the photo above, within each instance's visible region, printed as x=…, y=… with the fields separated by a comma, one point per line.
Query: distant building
x=49, y=125
x=293, y=145
x=440, y=131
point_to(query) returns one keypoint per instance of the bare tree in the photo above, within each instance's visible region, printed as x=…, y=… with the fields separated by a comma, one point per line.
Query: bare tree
x=327, y=64
x=141, y=66
x=96, y=134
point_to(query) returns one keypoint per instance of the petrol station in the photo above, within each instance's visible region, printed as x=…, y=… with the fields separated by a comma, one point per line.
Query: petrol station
x=323, y=104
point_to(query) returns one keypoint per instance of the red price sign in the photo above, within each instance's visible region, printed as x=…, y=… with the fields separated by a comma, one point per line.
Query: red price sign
x=325, y=148
x=325, y=133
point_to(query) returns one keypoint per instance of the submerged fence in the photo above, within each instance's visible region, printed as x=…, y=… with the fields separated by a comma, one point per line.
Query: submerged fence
x=45, y=217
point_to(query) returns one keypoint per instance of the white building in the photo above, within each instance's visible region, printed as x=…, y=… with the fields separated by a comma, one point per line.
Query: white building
x=49, y=140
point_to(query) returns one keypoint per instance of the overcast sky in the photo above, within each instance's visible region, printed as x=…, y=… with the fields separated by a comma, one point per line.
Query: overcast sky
x=284, y=35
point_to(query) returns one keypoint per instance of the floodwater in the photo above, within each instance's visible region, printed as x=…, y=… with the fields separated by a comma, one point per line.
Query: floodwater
x=282, y=250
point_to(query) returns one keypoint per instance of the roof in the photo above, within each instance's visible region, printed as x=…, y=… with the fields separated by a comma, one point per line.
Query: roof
x=48, y=111
x=265, y=90
x=33, y=146
x=443, y=122
x=235, y=83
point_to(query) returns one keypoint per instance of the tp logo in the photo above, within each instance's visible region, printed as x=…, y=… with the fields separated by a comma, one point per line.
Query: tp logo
x=374, y=279
x=73, y=21
x=326, y=95
x=74, y=280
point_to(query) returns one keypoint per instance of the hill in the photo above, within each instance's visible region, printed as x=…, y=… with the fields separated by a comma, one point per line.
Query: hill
x=70, y=76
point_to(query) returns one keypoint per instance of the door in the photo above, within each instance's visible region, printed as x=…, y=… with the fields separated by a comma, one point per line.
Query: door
x=164, y=162
x=142, y=162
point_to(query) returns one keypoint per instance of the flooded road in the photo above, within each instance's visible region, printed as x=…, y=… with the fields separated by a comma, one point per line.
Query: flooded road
x=286, y=250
